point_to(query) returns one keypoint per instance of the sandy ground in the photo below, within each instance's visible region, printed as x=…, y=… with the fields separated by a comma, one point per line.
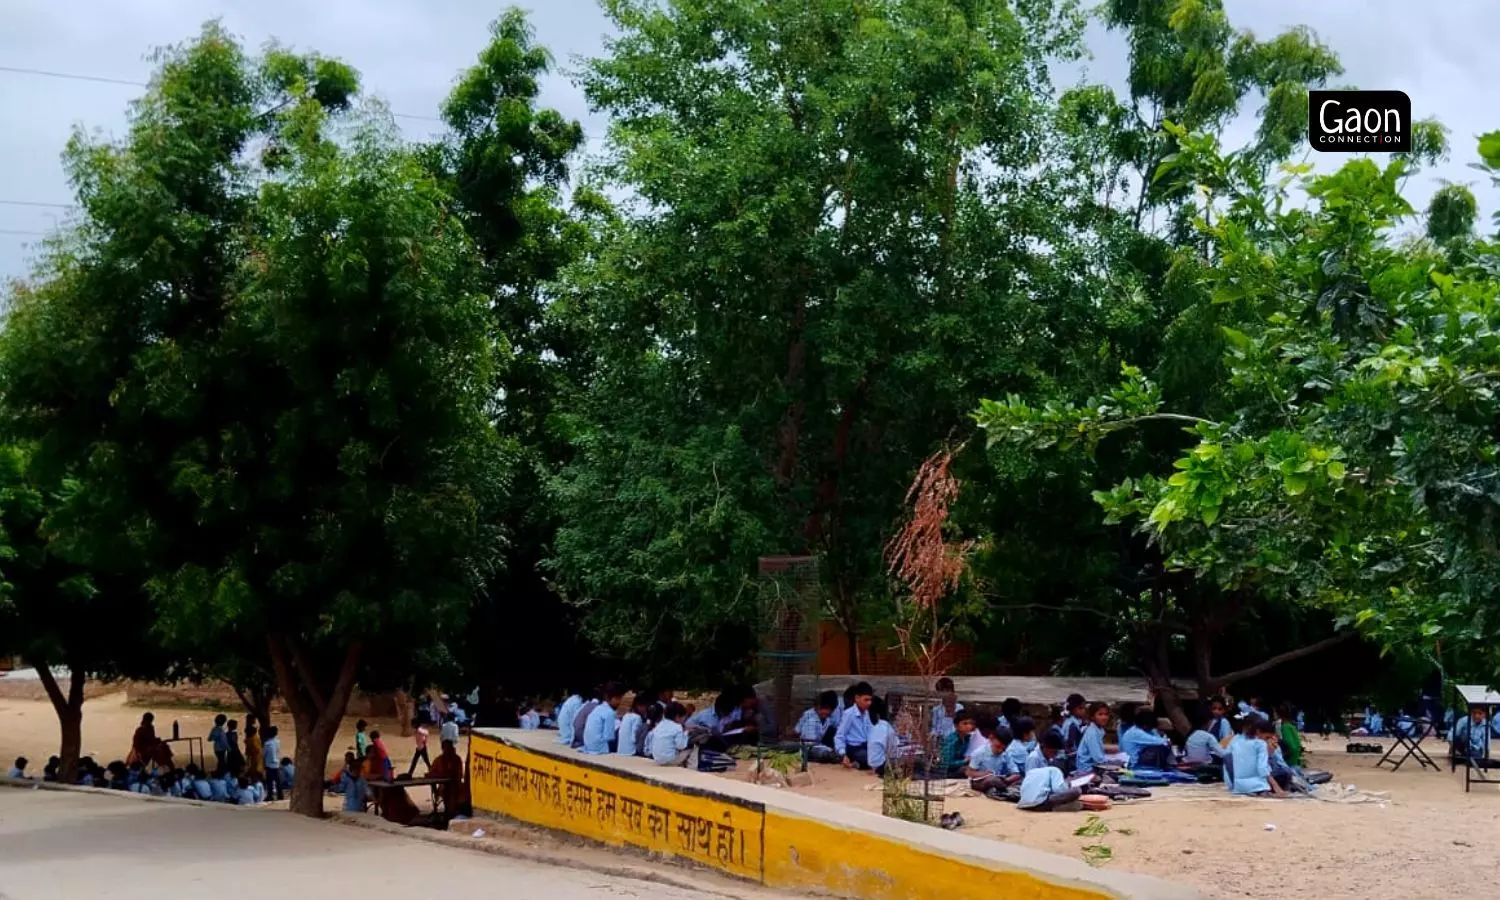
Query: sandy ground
x=1425, y=836
x=29, y=728
x=89, y=846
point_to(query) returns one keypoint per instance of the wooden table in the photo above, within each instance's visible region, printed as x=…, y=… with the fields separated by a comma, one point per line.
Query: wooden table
x=404, y=783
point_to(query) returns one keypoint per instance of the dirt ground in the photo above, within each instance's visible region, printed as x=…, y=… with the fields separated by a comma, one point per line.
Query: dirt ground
x=1424, y=836
x=29, y=728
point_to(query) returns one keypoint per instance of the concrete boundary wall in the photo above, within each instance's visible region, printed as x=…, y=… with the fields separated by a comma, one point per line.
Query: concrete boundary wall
x=765, y=835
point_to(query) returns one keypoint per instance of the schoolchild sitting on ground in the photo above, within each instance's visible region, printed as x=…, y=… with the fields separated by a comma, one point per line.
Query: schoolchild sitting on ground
x=960, y=746
x=817, y=726
x=708, y=722
x=853, y=735
x=990, y=768
x=1076, y=720
x=1143, y=745
x=1249, y=761
x=1283, y=777
x=669, y=741
x=1024, y=731
x=1048, y=752
x=632, y=734
x=1010, y=711
x=1045, y=789
x=881, y=745
x=1201, y=748
x=1218, y=723
x=19, y=769
x=1091, y=754
x=1289, y=735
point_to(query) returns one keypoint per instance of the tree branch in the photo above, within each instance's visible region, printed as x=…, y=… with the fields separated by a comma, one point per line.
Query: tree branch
x=1230, y=677
x=76, y=680
x=284, y=679
x=344, y=685
x=309, y=675
x=49, y=682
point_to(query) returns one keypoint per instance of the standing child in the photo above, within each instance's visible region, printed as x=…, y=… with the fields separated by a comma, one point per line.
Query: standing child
x=235, y=761
x=271, y=754
x=669, y=741
x=448, y=731
x=632, y=734
x=881, y=744
x=419, y=743
x=219, y=741
x=851, y=739
x=361, y=740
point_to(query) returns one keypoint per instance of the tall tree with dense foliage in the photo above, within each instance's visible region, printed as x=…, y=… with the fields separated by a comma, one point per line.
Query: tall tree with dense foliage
x=833, y=250
x=274, y=379
x=1354, y=468
x=505, y=162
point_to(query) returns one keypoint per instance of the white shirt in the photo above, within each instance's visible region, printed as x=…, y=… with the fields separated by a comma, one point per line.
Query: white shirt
x=667, y=740
x=449, y=731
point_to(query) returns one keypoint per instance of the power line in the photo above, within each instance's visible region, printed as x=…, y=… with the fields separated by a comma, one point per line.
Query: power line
x=41, y=203
x=71, y=76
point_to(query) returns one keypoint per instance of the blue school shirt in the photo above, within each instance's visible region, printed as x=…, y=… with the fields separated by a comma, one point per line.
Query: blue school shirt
x=1219, y=728
x=1252, y=766
x=565, y=716
x=942, y=723
x=811, y=726
x=667, y=740
x=705, y=718
x=1465, y=732
x=1201, y=748
x=1039, y=784
x=288, y=775
x=1072, y=731
x=598, y=729
x=1036, y=760
x=217, y=738
x=1135, y=740
x=356, y=792
x=1018, y=750
x=630, y=726
x=244, y=797
x=203, y=788
x=270, y=753
x=854, y=731
x=1090, y=749
x=219, y=792
x=985, y=759
x=882, y=742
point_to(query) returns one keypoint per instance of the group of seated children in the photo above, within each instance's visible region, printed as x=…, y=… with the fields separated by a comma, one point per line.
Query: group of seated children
x=656, y=726
x=191, y=782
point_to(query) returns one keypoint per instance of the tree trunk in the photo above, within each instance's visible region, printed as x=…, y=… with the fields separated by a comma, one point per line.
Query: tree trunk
x=69, y=711
x=317, y=711
x=404, y=711
x=1156, y=663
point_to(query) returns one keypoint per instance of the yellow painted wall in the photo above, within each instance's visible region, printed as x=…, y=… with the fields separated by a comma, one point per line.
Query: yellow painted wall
x=735, y=836
x=808, y=854
x=610, y=807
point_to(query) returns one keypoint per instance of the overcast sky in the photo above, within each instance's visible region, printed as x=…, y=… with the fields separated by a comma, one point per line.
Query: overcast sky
x=409, y=52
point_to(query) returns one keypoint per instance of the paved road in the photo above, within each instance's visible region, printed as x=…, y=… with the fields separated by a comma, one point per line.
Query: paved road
x=83, y=846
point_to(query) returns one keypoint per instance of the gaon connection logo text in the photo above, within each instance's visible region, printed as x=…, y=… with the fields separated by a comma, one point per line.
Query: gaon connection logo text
x=1359, y=121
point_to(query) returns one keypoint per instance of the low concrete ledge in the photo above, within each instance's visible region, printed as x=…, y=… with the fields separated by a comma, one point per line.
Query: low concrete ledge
x=769, y=836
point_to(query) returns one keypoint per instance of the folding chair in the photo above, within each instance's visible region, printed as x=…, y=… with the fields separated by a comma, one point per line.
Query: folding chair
x=1411, y=743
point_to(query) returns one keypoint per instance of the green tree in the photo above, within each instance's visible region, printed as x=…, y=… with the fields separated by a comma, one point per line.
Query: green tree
x=55, y=613
x=282, y=400
x=831, y=252
x=505, y=163
x=1355, y=471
